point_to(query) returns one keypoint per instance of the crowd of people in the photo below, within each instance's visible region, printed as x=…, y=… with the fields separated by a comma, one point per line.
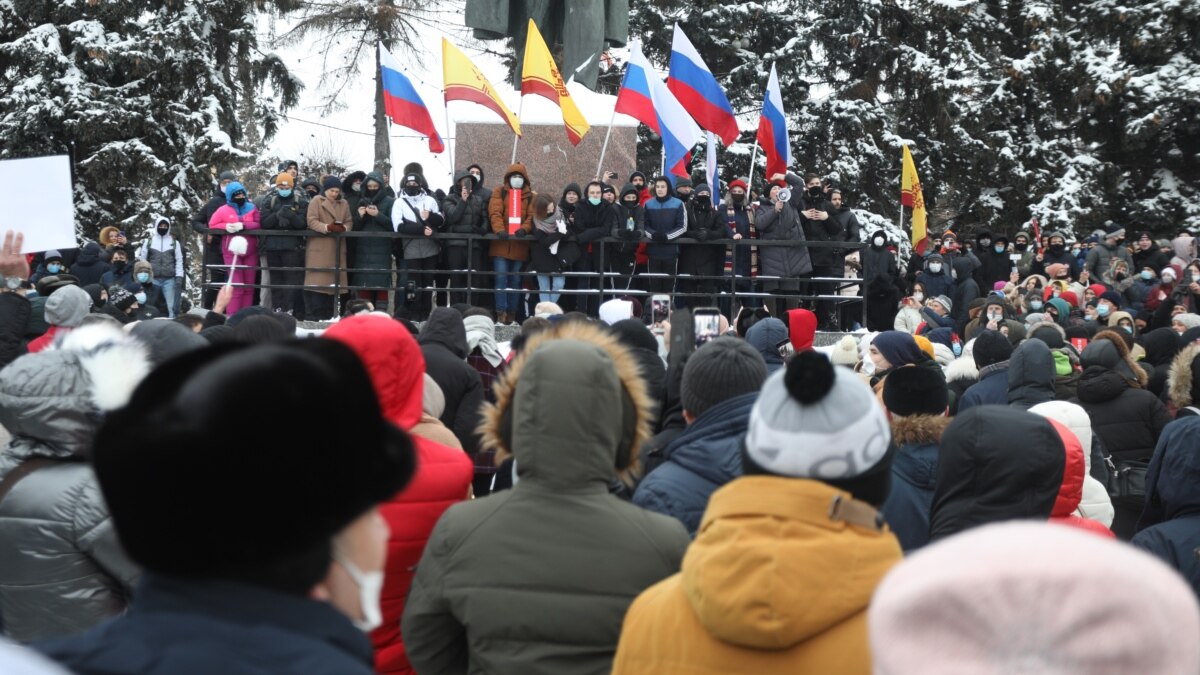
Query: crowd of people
x=1000, y=476
x=411, y=248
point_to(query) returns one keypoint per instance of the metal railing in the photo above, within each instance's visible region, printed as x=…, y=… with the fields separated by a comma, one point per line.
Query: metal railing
x=730, y=286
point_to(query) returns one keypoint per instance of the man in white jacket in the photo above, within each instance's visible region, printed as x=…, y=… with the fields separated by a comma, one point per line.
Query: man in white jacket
x=165, y=255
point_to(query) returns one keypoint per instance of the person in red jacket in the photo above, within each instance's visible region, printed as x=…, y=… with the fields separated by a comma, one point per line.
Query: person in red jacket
x=443, y=477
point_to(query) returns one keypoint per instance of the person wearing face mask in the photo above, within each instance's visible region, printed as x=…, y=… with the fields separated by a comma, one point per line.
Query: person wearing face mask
x=120, y=272
x=1147, y=254
x=705, y=223
x=307, y=587
x=465, y=211
x=417, y=214
x=995, y=317
x=166, y=257
x=513, y=230
x=1108, y=303
x=996, y=263
x=630, y=229
x=144, y=289
x=213, y=258
x=373, y=255
x=593, y=220
x=936, y=277
x=285, y=210
x=818, y=224
x=52, y=265
x=1056, y=253
x=880, y=278
x=328, y=215
x=739, y=225
x=1026, y=250
x=239, y=215
x=966, y=290
x=1144, y=284
x=1109, y=249
x=483, y=193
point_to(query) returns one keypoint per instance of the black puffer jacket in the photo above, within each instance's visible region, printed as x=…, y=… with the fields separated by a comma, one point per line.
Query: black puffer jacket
x=88, y=267
x=443, y=341
x=1128, y=419
x=1030, y=375
x=14, y=320
x=467, y=216
x=1161, y=345
x=980, y=479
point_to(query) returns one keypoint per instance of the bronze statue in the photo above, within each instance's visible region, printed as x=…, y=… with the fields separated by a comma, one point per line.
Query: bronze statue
x=584, y=29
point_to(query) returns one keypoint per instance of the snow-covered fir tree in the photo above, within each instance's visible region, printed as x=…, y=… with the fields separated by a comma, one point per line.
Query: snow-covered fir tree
x=144, y=95
x=1076, y=113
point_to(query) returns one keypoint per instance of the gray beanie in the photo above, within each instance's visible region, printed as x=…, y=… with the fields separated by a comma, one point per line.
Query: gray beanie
x=945, y=302
x=67, y=306
x=816, y=421
x=720, y=370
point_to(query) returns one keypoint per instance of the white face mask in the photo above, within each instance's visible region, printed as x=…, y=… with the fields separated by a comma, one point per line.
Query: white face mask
x=935, y=267
x=516, y=182
x=918, y=296
x=370, y=587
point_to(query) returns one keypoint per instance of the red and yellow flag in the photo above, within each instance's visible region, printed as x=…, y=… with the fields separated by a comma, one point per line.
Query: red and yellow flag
x=910, y=196
x=540, y=76
x=463, y=81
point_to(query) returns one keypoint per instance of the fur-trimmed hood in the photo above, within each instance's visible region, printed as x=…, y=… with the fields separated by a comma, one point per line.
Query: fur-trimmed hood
x=918, y=429
x=51, y=401
x=1182, y=377
x=572, y=408
x=963, y=368
x=1095, y=354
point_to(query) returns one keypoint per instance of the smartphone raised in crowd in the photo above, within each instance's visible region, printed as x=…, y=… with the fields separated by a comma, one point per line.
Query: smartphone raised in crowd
x=660, y=308
x=707, y=322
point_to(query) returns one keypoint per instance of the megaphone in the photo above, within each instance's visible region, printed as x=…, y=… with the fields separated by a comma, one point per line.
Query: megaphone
x=784, y=194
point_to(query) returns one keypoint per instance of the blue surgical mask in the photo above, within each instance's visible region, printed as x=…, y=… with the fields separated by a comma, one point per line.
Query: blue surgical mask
x=285, y=193
x=1035, y=305
x=999, y=248
x=143, y=277
x=53, y=268
x=956, y=348
x=595, y=201
x=1088, y=317
x=1128, y=329
x=140, y=297
x=1102, y=310
x=1147, y=275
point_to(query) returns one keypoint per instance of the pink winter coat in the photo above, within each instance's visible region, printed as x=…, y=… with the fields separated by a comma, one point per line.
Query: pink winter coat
x=225, y=215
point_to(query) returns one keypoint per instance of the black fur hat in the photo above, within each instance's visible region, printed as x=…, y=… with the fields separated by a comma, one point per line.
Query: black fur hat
x=198, y=484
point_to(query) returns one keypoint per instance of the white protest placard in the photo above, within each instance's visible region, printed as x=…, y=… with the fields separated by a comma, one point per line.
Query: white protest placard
x=45, y=213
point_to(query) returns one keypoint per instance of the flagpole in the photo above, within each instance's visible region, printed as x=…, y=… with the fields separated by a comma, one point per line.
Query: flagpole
x=750, y=175
x=663, y=172
x=607, y=135
x=449, y=139
x=520, y=108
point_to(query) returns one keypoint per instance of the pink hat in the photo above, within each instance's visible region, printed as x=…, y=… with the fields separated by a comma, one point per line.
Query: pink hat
x=999, y=285
x=1033, y=598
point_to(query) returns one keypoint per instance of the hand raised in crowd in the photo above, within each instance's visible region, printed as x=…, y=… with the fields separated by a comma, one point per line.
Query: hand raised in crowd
x=465, y=193
x=778, y=176
x=12, y=261
x=778, y=207
x=1014, y=277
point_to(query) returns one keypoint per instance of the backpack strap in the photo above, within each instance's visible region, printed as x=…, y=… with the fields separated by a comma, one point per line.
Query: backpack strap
x=27, y=467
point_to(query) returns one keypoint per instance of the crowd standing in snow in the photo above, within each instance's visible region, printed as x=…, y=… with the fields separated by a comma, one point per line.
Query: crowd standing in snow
x=1008, y=448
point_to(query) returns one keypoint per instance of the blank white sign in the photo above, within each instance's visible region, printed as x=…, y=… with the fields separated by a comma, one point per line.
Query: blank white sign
x=47, y=213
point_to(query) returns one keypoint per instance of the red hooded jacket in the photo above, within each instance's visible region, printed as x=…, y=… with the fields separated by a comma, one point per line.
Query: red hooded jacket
x=1071, y=491
x=397, y=369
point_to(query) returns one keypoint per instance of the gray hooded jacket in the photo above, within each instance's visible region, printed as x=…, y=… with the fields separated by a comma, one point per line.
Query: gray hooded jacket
x=62, y=569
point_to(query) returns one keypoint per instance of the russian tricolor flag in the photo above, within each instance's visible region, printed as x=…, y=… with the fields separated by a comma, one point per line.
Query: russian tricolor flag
x=402, y=103
x=690, y=80
x=772, y=129
x=644, y=97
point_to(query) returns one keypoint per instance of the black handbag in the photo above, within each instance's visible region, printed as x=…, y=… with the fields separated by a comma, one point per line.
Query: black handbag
x=1127, y=481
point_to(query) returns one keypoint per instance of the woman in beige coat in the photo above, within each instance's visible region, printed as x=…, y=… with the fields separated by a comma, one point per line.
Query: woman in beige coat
x=328, y=214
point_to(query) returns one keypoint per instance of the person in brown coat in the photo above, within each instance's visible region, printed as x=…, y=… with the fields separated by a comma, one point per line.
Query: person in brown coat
x=511, y=250
x=328, y=214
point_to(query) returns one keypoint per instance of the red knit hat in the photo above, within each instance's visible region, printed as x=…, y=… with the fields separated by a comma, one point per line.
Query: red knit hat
x=739, y=183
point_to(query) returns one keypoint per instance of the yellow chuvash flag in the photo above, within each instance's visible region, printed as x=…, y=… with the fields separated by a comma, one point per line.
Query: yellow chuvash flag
x=463, y=81
x=910, y=196
x=540, y=76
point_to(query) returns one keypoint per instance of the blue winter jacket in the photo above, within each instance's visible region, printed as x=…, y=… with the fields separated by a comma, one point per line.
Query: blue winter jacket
x=668, y=217
x=990, y=389
x=1170, y=524
x=914, y=471
x=706, y=456
x=185, y=627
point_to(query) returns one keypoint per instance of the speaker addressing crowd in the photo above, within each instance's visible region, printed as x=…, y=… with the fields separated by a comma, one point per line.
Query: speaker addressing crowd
x=652, y=475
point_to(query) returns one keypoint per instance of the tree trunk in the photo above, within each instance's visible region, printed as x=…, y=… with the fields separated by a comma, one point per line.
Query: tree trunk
x=383, y=148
